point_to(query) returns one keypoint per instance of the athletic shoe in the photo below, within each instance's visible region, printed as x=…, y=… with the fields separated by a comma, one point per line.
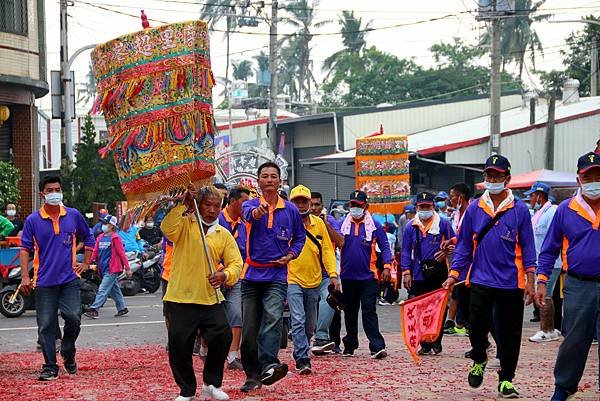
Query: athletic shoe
x=493, y=363
x=274, y=374
x=47, y=375
x=383, y=302
x=381, y=354
x=211, y=392
x=476, y=374
x=348, y=352
x=321, y=347
x=250, y=385
x=424, y=351
x=303, y=367
x=182, y=398
x=436, y=349
x=456, y=331
x=122, y=312
x=594, y=342
x=337, y=349
x=543, y=336
x=489, y=350
x=448, y=324
x=235, y=365
x=70, y=366
x=92, y=314
x=507, y=390
x=561, y=394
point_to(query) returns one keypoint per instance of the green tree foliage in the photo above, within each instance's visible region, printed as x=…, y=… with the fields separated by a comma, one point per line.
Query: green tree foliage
x=9, y=184
x=577, y=60
x=376, y=77
x=91, y=178
x=242, y=69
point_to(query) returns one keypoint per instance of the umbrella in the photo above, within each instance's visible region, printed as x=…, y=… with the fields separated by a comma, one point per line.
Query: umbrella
x=556, y=179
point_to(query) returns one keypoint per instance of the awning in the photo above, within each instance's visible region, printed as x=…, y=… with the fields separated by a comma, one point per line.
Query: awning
x=556, y=179
x=346, y=156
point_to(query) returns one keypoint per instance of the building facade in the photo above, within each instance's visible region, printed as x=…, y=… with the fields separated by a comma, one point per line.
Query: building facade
x=22, y=80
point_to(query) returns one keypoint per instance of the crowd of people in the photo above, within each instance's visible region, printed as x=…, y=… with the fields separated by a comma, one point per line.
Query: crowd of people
x=232, y=262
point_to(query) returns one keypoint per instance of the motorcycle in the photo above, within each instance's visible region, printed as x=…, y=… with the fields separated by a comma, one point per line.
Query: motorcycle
x=146, y=273
x=13, y=303
x=131, y=285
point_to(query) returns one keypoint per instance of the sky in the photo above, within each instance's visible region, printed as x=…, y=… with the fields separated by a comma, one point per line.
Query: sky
x=409, y=29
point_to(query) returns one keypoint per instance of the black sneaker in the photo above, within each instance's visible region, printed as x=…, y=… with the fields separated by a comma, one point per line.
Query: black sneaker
x=235, y=365
x=424, y=351
x=92, y=314
x=250, y=385
x=476, y=374
x=448, y=324
x=436, y=349
x=274, y=374
x=303, y=367
x=122, y=312
x=507, y=390
x=381, y=354
x=348, y=352
x=47, y=375
x=322, y=347
x=71, y=366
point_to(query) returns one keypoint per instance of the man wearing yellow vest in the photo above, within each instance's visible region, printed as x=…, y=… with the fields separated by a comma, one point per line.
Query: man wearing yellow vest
x=193, y=299
x=305, y=274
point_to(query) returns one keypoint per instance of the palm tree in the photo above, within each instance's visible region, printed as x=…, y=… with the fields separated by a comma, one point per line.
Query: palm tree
x=242, y=69
x=353, y=38
x=301, y=16
x=517, y=35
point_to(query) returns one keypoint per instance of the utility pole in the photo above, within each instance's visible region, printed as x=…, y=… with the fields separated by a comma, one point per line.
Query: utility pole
x=549, y=162
x=495, y=85
x=228, y=85
x=594, y=81
x=273, y=68
x=66, y=82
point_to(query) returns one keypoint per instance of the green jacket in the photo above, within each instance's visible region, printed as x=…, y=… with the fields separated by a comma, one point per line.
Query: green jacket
x=6, y=227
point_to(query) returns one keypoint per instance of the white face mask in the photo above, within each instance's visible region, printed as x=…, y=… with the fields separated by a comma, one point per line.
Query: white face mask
x=591, y=190
x=425, y=214
x=357, y=212
x=209, y=224
x=149, y=225
x=54, y=198
x=494, y=187
x=11, y=213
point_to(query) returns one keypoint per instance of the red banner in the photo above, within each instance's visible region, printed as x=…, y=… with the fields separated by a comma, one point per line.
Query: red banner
x=422, y=319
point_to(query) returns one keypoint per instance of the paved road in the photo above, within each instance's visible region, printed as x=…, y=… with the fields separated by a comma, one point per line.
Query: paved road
x=143, y=325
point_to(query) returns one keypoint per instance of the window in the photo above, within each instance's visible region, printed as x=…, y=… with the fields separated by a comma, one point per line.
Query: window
x=13, y=16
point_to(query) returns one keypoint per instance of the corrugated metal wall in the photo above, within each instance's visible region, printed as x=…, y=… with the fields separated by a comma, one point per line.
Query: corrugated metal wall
x=411, y=120
x=573, y=139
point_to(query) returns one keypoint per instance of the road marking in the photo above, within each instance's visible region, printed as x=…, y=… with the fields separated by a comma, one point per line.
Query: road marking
x=91, y=325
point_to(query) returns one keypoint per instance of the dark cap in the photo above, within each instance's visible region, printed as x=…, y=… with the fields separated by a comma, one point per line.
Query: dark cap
x=335, y=299
x=358, y=197
x=538, y=187
x=425, y=197
x=498, y=163
x=588, y=161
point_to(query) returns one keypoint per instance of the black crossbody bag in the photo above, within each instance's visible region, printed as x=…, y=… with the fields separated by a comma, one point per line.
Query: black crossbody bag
x=432, y=270
x=318, y=244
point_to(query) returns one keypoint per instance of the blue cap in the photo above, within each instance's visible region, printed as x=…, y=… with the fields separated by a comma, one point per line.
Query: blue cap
x=425, y=197
x=538, y=187
x=441, y=195
x=409, y=209
x=588, y=161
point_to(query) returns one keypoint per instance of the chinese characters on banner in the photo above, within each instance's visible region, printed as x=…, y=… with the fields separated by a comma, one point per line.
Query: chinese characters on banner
x=422, y=318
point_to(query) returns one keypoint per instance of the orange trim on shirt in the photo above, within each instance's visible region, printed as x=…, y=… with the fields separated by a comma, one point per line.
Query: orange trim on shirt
x=483, y=205
x=55, y=222
x=232, y=222
x=519, y=264
x=574, y=205
x=280, y=205
x=373, y=264
x=565, y=248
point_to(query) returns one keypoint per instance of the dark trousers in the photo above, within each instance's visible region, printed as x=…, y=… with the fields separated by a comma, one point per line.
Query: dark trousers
x=262, y=314
x=507, y=309
x=184, y=322
x=462, y=304
x=362, y=294
x=48, y=301
x=420, y=287
x=335, y=329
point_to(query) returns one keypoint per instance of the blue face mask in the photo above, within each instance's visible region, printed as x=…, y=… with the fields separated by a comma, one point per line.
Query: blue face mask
x=425, y=214
x=440, y=204
x=494, y=187
x=591, y=190
x=537, y=206
x=105, y=228
x=357, y=212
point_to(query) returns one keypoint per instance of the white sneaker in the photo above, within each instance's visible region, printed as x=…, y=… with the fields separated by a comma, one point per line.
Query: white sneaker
x=211, y=392
x=182, y=398
x=542, y=336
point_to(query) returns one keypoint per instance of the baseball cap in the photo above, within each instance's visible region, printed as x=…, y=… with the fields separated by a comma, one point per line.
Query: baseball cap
x=300, y=191
x=335, y=299
x=409, y=209
x=102, y=213
x=441, y=195
x=538, y=187
x=498, y=163
x=358, y=197
x=425, y=197
x=588, y=161
x=108, y=219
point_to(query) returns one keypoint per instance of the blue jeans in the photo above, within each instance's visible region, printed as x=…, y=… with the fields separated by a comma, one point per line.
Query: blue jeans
x=581, y=307
x=48, y=301
x=233, y=304
x=109, y=286
x=303, y=314
x=262, y=313
x=325, y=312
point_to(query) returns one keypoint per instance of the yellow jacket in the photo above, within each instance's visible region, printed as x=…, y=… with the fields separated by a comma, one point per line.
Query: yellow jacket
x=188, y=282
x=305, y=270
